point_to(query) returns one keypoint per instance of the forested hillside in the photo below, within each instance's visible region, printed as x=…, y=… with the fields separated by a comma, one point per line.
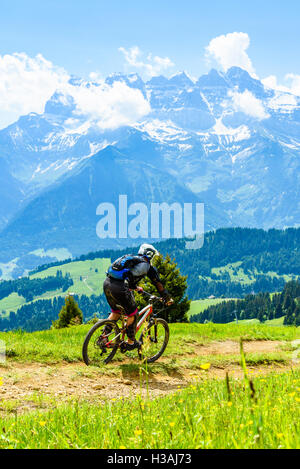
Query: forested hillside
x=262, y=306
x=232, y=263
x=38, y=315
x=30, y=288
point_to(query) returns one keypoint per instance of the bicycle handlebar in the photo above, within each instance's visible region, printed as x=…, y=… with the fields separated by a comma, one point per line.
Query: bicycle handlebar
x=152, y=297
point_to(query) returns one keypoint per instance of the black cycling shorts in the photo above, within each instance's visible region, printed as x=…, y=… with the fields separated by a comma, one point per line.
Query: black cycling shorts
x=119, y=296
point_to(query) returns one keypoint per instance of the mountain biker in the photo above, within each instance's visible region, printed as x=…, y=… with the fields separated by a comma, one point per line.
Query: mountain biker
x=123, y=276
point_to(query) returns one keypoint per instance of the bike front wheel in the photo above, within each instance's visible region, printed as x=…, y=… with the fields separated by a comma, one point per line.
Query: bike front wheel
x=100, y=346
x=154, y=339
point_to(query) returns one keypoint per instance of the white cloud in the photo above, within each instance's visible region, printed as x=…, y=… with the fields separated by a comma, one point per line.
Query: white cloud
x=292, y=83
x=283, y=101
x=153, y=66
x=230, y=51
x=110, y=106
x=27, y=83
x=247, y=103
x=271, y=82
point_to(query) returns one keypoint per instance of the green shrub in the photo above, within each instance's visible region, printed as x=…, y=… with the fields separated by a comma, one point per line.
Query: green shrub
x=70, y=314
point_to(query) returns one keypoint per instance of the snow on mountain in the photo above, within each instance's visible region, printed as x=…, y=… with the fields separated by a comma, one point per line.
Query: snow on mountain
x=226, y=138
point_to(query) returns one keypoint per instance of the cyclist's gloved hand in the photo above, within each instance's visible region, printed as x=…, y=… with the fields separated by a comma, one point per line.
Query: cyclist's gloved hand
x=139, y=289
x=168, y=299
x=170, y=302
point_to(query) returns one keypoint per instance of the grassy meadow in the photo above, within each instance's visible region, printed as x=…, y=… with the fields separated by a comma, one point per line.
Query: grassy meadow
x=237, y=273
x=54, y=346
x=198, y=306
x=88, y=277
x=207, y=414
x=259, y=409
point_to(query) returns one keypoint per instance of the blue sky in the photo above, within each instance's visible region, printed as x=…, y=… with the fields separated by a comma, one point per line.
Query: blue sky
x=84, y=36
x=43, y=43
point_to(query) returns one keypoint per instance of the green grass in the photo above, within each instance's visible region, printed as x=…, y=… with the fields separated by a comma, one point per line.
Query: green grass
x=198, y=306
x=211, y=413
x=246, y=321
x=238, y=275
x=11, y=302
x=270, y=322
x=275, y=322
x=86, y=282
x=91, y=283
x=208, y=414
x=53, y=346
x=235, y=272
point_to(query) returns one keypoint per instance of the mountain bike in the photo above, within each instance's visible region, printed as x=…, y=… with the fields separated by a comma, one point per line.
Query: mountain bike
x=100, y=347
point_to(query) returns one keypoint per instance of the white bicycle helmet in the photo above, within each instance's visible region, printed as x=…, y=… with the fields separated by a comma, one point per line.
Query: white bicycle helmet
x=148, y=250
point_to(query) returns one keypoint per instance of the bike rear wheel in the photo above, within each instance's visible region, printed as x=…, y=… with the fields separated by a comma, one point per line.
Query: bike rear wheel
x=154, y=339
x=95, y=350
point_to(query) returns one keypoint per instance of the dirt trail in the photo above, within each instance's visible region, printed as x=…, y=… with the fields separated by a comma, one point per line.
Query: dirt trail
x=230, y=347
x=23, y=383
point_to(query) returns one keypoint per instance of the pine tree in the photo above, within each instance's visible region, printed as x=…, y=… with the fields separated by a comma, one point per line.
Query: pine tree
x=297, y=314
x=69, y=315
x=278, y=311
x=289, y=318
x=287, y=302
x=175, y=283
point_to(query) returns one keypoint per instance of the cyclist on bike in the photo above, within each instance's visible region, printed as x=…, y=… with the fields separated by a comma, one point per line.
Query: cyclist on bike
x=123, y=276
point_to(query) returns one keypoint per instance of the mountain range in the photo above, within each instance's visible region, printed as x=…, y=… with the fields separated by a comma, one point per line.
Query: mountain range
x=225, y=140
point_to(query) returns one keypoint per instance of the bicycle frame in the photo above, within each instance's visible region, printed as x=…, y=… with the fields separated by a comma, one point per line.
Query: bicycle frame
x=145, y=313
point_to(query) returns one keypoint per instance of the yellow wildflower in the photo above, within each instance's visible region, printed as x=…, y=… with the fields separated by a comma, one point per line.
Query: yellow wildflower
x=205, y=366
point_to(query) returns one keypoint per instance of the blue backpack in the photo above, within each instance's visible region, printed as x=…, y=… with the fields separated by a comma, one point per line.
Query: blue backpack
x=119, y=269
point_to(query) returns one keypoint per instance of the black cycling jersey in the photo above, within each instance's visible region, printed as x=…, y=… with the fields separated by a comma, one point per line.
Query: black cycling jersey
x=133, y=269
x=123, y=275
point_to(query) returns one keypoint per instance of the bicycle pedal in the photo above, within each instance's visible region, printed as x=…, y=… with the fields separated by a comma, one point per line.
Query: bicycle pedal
x=123, y=347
